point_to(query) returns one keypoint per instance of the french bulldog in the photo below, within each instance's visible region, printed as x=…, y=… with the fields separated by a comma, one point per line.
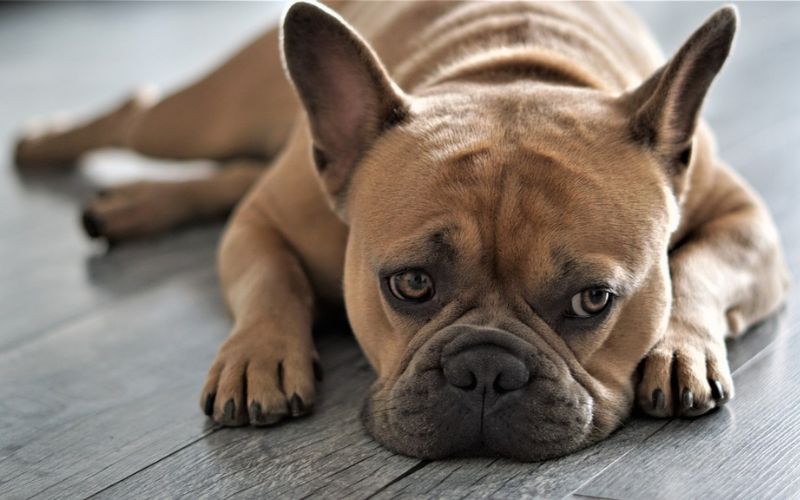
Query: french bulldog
x=518, y=204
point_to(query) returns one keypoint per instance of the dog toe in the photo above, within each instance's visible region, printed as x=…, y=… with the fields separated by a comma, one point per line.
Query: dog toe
x=266, y=399
x=654, y=393
x=229, y=408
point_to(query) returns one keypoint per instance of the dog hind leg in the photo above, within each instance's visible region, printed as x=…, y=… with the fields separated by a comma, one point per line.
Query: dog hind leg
x=244, y=108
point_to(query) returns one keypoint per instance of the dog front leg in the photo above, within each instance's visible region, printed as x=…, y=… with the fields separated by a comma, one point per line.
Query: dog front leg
x=265, y=370
x=727, y=274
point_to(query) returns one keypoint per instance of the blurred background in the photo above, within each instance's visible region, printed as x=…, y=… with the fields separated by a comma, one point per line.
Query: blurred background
x=103, y=351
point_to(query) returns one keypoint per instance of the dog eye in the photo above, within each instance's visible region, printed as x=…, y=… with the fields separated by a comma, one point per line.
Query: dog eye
x=412, y=285
x=589, y=302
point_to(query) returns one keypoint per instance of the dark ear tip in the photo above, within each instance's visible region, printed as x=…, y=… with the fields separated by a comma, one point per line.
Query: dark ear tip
x=302, y=12
x=727, y=16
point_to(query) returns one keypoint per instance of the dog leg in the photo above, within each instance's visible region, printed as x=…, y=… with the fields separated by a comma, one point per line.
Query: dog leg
x=148, y=208
x=727, y=275
x=243, y=108
x=58, y=143
x=265, y=370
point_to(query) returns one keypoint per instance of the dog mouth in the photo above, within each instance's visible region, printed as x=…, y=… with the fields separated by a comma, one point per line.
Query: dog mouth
x=486, y=392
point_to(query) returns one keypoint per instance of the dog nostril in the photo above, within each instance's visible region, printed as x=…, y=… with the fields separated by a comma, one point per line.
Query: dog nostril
x=511, y=380
x=460, y=376
x=469, y=385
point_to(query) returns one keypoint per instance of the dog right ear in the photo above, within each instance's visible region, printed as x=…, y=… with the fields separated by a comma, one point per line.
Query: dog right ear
x=666, y=107
x=346, y=92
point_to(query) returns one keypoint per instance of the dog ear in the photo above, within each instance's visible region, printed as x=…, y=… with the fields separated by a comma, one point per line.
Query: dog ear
x=666, y=106
x=348, y=95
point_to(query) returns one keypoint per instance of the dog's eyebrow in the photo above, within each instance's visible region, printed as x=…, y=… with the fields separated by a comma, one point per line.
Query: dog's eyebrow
x=420, y=251
x=573, y=273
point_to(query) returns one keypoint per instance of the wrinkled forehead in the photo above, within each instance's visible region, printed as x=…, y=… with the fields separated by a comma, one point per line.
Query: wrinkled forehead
x=525, y=208
x=491, y=178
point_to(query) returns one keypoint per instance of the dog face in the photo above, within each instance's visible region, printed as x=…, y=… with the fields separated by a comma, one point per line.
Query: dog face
x=507, y=264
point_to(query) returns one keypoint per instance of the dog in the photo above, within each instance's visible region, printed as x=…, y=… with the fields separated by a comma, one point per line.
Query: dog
x=518, y=203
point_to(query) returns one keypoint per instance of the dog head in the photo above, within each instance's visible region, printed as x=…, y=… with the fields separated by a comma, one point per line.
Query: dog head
x=507, y=265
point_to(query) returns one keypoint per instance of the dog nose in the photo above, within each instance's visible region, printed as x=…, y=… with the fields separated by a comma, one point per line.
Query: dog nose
x=485, y=368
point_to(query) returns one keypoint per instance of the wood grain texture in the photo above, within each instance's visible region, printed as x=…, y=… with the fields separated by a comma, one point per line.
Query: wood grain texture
x=107, y=394
x=102, y=354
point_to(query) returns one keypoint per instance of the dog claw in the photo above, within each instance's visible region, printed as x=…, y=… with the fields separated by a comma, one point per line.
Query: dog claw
x=208, y=407
x=297, y=406
x=687, y=399
x=91, y=224
x=256, y=414
x=659, y=402
x=229, y=410
x=717, y=392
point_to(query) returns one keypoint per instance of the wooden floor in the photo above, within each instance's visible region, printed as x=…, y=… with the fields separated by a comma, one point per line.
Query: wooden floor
x=102, y=353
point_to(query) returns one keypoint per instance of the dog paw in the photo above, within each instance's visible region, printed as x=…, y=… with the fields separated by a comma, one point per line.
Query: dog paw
x=34, y=145
x=258, y=382
x=60, y=140
x=135, y=210
x=685, y=375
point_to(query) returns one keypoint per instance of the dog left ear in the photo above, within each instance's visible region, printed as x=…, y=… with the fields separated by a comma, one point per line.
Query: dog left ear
x=346, y=92
x=666, y=106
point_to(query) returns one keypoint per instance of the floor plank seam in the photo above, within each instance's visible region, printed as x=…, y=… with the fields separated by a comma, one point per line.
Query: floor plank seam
x=107, y=304
x=604, y=469
x=416, y=467
x=138, y=471
x=791, y=331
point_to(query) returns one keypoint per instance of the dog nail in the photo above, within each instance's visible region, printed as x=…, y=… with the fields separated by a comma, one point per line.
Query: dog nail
x=717, y=392
x=318, y=374
x=91, y=224
x=255, y=412
x=230, y=409
x=687, y=400
x=208, y=408
x=659, y=402
x=297, y=406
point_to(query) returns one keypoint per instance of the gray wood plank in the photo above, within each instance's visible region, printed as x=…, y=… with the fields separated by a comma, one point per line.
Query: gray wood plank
x=61, y=282
x=109, y=393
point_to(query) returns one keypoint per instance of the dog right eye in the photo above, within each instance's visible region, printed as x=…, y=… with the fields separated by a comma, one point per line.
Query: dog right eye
x=589, y=302
x=412, y=285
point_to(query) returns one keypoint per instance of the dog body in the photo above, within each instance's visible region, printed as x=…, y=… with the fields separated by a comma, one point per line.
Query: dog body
x=519, y=200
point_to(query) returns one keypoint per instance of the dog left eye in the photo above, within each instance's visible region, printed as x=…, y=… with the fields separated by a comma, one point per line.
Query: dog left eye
x=412, y=286
x=589, y=302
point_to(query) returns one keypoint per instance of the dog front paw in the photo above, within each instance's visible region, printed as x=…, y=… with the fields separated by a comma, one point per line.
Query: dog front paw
x=686, y=374
x=260, y=381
